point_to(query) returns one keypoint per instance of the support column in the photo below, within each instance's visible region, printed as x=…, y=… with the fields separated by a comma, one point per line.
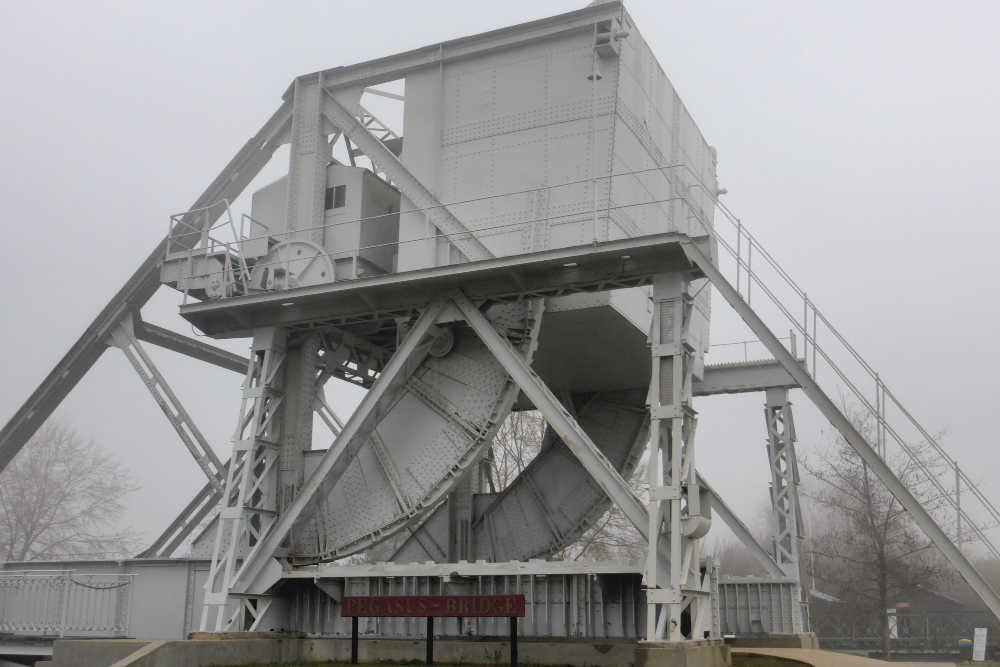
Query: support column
x=300, y=393
x=309, y=155
x=674, y=493
x=250, y=501
x=784, y=489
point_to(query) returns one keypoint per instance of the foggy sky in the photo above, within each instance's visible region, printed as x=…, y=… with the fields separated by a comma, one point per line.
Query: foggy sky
x=858, y=140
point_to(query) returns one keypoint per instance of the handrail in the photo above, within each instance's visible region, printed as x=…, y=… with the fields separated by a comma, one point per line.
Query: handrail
x=882, y=390
x=66, y=603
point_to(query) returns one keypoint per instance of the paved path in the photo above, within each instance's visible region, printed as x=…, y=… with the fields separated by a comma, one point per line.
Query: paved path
x=819, y=658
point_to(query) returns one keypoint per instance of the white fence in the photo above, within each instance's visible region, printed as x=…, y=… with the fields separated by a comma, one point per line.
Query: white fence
x=65, y=603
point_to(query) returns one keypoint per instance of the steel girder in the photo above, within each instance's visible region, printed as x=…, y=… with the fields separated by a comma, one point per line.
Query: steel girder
x=246, y=164
x=382, y=70
x=309, y=156
x=190, y=347
x=851, y=435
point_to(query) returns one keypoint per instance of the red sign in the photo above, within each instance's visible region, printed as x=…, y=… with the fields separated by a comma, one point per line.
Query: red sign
x=433, y=605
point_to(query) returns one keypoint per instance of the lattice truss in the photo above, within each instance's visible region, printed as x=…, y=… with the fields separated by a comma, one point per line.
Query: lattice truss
x=784, y=480
x=250, y=500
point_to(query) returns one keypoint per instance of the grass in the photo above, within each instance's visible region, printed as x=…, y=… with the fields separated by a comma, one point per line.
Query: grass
x=345, y=664
x=738, y=661
x=762, y=661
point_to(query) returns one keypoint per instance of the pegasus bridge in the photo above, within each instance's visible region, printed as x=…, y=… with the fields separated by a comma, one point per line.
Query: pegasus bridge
x=543, y=232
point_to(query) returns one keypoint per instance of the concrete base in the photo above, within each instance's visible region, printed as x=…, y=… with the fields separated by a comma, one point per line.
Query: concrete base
x=85, y=652
x=700, y=653
x=245, y=649
x=801, y=640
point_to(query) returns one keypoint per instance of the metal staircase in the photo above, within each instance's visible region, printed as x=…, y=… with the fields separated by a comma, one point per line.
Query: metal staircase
x=748, y=277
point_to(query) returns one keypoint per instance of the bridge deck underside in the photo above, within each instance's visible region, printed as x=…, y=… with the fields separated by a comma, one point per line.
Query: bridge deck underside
x=618, y=264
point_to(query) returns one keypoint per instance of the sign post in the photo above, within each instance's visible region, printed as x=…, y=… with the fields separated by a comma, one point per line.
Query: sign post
x=430, y=640
x=432, y=606
x=354, y=640
x=512, y=620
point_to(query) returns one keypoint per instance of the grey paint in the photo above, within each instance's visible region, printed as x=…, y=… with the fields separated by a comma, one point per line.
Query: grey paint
x=833, y=125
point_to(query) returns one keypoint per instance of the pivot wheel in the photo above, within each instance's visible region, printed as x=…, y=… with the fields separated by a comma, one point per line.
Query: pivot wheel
x=292, y=264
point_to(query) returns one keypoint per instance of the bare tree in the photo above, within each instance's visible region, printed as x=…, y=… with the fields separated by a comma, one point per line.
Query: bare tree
x=61, y=497
x=611, y=538
x=517, y=442
x=865, y=548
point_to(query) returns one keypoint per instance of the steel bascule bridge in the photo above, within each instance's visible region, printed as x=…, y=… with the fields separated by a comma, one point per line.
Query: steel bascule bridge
x=544, y=232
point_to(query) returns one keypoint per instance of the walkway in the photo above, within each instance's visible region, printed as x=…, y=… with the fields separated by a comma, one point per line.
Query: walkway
x=819, y=658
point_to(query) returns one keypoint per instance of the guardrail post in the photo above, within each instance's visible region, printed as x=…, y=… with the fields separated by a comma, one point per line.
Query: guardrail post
x=805, y=329
x=65, y=604
x=739, y=253
x=958, y=507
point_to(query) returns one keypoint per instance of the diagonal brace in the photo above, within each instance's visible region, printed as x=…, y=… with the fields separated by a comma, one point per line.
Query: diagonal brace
x=741, y=531
x=123, y=337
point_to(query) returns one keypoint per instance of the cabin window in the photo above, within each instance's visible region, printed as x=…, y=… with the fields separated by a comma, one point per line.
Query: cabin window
x=336, y=197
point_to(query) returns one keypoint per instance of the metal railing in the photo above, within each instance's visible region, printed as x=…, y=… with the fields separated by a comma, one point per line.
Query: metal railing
x=745, y=351
x=915, y=631
x=196, y=234
x=840, y=369
x=65, y=603
x=778, y=300
x=191, y=231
